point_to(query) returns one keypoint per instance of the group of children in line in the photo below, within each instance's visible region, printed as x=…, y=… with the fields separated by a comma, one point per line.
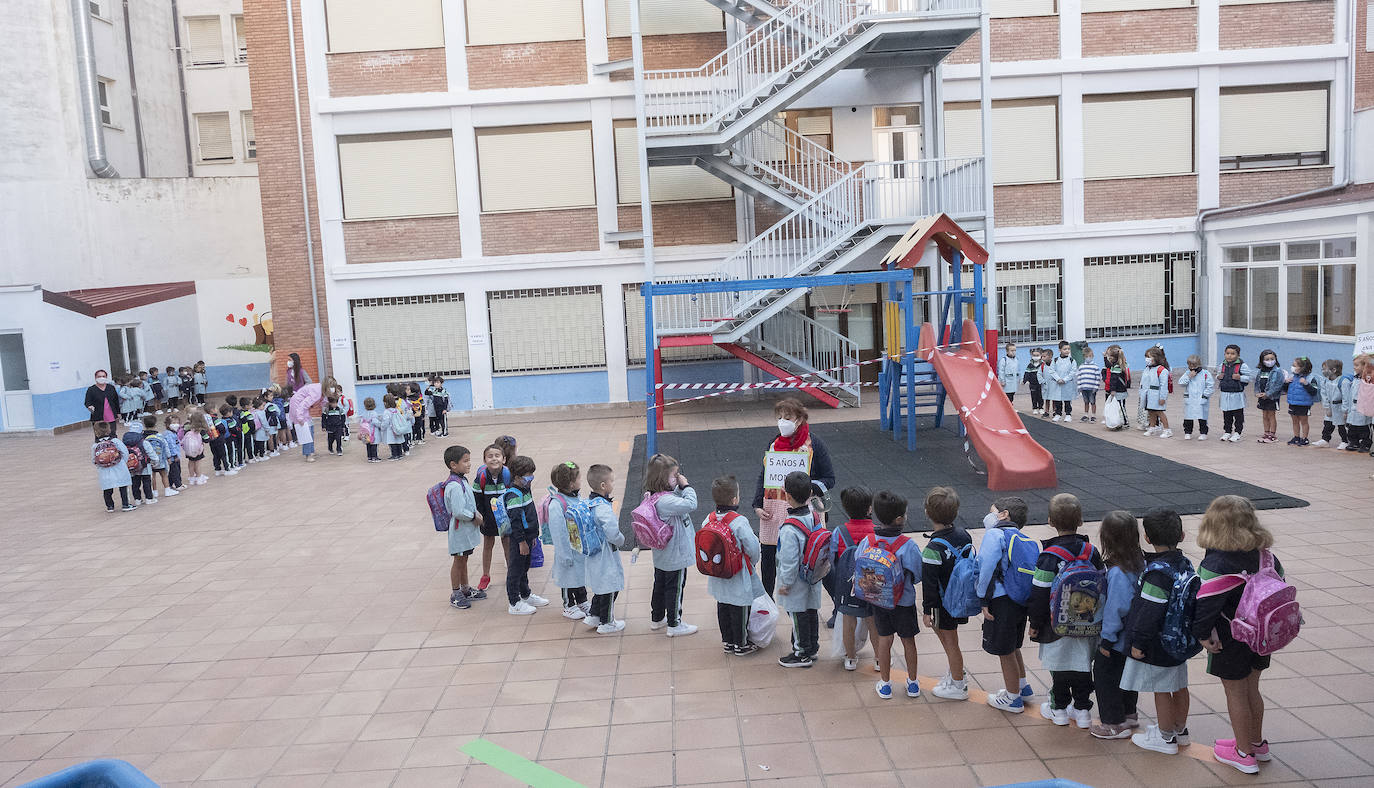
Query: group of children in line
x=401, y=421
x=1054, y=380
x=154, y=391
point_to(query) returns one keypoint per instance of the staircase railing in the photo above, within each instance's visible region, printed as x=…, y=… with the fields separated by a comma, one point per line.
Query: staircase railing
x=803, y=165
x=808, y=345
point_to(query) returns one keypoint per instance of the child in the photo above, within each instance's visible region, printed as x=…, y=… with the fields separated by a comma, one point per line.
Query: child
x=1089, y=383
x=1301, y=391
x=1234, y=540
x=232, y=445
x=1154, y=392
x=947, y=543
x=1004, y=619
x=1116, y=374
x=335, y=418
x=857, y=503
x=129, y=397
x=1033, y=371
x=158, y=453
x=194, y=437
x=1068, y=659
x=261, y=430
x=1059, y=379
x=463, y=535
x=288, y=426
x=279, y=407
x=155, y=384
x=605, y=575
x=1232, y=377
x=404, y=419
x=1009, y=372
x=171, y=438
x=395, y=424
x=569, y=564
x=1356, y=423
x=524, y=529
x=373, y=418
x=1116, y=707
x=1335, y=391
x=800, y=599
x=148, y=397
x=1269, y=382
x=675, y=503
x=200, y=384
x=168, y=379
x=735, y=595
x=492, y=479
x=111, y=461
x=219, y=442
x=1150, y=669
x=889, y=513
x=247, y=427
x=415, y=399
x=1198, y=385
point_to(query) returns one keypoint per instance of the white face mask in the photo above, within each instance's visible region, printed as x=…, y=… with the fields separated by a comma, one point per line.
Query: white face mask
x=290, y=365
x=1269, y=362
x=102, y=380
x=174, y=426
x=1294, y=370
x=786, y=427
x=991, y=520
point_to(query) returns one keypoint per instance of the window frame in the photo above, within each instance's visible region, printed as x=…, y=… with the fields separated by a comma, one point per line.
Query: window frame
x=1174, y=321
x=200, y=156
x=191, y=61
x=250, y=141
x=125, y=330
x=102, y=97
x=236, y=25
x=1282, y=267
x=1285, y=159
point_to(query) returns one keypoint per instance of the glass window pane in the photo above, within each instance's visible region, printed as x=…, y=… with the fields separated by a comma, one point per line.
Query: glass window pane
x=1340, y=247
x=1303, y=289
x=1233, y=282
x=830, y=320
x=13, y=368
x=131, y=342
x=861, y=326
x=1305, y=250
x=1264, y=254
x=1338, y=299
x=114, y=338
x=1046, y=312
x=1238, y=254
x=1016, y=321
x=1264, y=299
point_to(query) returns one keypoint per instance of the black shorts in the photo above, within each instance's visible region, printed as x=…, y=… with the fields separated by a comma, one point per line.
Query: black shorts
x=1267, y=404
x=196, y=458
x=464, y=554
x=488, y=527
x=1299, y=410
x=899, y=621
x=1235, y=661
x=943, y=620
x=1007, y=629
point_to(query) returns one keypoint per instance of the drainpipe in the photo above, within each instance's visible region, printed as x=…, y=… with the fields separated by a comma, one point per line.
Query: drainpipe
x=181, y=84
x=305, y=191
x=88, y=86
x=133, y=92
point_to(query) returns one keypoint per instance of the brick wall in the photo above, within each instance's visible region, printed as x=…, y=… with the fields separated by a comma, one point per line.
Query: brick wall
x=279, y=183
x=1019, y=38
x=1126, y=199
x=1028, y=204
x=767, y=213
x=1240, y=188
x=687, y=50
x=1277, y=24
x=389, y=240
x=398, y=71
x=536, y=232
x=527, y=65
x=1139, y=32
x=1364, y=63
x=683, y=223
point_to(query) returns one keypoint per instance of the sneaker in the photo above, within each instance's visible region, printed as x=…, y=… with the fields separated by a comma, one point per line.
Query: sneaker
x=1187, y=436
x=110, y=508
x=1167, y=434
x=1321, y=444
x=681, y=630
x=1001, y=699
x=610, y=627
x=1104, y=731
x=1227, y=436
x=1151, y=432
x=476, y=593
x=1082, y=717
x=1352, y=447
x=876, y=667
x=795, y=661
x=884, y=689
x=1183, y=738
x=1266, y=438
x=1202, y=437
x=150, y=501
x=1304, y=442
x=219, y=473
x=592, y=621
x=746, y=649
x=1083, y=419
x=1260, y=751
x=1093, y=419
x=657, y=625
x=1341, y=446
x=276, y=454
x=170, y=493
x=459, y=600
x=536, y=600
x=1235, y=438
x=521, y=608
x=484, y=582
x=1295, y=441
x=913, y=688
x=1056, y=716
x=849, y=662
x=128, y=507
x=574, y=612
x=1229, y=755
x=1152, y=739
x=1056, y=418
x=1132, y=720
x=1026, y=691
x=586, y=606
x=949, y=689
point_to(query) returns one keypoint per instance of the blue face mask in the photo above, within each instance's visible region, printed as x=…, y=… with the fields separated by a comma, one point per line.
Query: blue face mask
x=528, y=479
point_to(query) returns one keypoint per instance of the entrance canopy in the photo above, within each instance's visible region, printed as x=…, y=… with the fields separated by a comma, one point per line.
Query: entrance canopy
x=948, y=236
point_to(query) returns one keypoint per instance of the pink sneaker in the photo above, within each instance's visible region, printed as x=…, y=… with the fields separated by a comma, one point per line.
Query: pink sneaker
x=1260, y=751
x=1227, y=754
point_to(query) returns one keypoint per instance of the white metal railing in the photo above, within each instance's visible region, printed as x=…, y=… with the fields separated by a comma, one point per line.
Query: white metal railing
x=790, y=158
x=808, y=345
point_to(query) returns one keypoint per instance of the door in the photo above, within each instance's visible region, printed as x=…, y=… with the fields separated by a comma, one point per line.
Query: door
x=123, y=344
x=897, y=142
x=14, y=369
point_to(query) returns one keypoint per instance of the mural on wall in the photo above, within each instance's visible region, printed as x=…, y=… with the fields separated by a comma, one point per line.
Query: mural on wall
x=235, y=320
x=261, y=326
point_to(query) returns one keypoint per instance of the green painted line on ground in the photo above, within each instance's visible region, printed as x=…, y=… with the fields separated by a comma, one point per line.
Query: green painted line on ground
x=522, y=769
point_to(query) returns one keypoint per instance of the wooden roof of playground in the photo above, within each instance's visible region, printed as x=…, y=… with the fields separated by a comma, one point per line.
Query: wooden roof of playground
x=948, y=236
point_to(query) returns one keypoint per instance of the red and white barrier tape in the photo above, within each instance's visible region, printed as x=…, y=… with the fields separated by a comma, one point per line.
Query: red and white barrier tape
x=711, y=386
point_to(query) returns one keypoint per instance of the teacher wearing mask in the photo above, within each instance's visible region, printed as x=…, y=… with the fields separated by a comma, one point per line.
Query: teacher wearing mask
x=795, y=448
x=296, y=376
x=102, y=400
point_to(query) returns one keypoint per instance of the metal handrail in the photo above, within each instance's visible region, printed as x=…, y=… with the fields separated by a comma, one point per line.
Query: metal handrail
x=808, y=168
x=810, y=345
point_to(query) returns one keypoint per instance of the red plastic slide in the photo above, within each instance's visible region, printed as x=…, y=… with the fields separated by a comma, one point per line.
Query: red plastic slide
x=1013, y=458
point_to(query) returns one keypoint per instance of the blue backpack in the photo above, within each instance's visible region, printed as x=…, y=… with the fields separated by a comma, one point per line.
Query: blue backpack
x=960, y=596
x=1338, y=399
x=1176, y=633
x=438, y=508
x=878, y=576
x=1078, y=594
x=584, y=534
x=1018, y=567
x=844, y=564
x=495, y=494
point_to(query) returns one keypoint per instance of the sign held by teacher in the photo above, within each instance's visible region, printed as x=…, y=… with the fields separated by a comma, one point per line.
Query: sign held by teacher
x=777, y=464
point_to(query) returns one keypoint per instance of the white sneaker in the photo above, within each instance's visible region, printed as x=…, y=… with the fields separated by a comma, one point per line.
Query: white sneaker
x=1202, y=437
x=591, y=621
x=1189, y=436
x=681, y=630
x=1167, y=434
x=610, y=627
x=159, y=413
x=1341, y=446
x=170, y=493
x=1321, y=444
x=276, y=453
x=851, y=664
x=204, y=478
x=949, y=689
x=292, y=445
x=536, y=600
x=1152, y=739
x=521, y=608
x=1226, y=437
x=218, y=473
x=1056, y=418
x=149, y=501
x=1056, y=716
x=657, y=625
x=574, y=612
x=1001, y=699
x=586, y=607
x=1083, y=717
x=232, y=472
x=1151, y=432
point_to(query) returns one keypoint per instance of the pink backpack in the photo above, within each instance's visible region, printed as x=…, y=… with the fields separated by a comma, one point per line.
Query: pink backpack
x=649, y=529
x=1267, y=618
x=1364, y=398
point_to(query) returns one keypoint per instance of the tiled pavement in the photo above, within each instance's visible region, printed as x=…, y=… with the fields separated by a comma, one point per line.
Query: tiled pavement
x=290, y=626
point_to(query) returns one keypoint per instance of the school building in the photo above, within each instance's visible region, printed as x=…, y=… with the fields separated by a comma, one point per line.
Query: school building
x=455, y=187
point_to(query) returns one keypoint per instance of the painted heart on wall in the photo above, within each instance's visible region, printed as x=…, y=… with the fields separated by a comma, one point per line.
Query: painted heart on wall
x=248, y=306
x=229, y=318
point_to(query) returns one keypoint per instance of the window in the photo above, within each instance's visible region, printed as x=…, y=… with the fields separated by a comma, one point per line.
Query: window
x=1137, y=135
x=94, y=7
x=1030, y=300
x=547, y=329
x=1132, y=5
x=1025, y=138
x=250, y=140
x=496, y=22
x=205, y=39
x=102, y=87
x=384, y=344
x=123, y=344
x=663, y=17
x=677, y=183
x=1011, y=8
x=365, y=26
x=240, y=40
x=530, y=168
x=1139, y=294
x=402, y=174
x=1273, y=126
x=212, y=130
x=634, y=334
x=1315, y=278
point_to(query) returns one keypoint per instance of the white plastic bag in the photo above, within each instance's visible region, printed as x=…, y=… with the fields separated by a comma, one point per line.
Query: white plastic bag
x=837, y=636
x=1113, y=414
x=763, y=620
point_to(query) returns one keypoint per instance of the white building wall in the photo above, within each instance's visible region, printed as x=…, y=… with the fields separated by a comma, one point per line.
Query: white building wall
x=219, y=88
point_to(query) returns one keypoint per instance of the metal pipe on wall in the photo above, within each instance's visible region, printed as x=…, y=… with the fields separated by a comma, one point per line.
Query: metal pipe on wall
x=88, y=85
x=181, y=85
x=133, y=92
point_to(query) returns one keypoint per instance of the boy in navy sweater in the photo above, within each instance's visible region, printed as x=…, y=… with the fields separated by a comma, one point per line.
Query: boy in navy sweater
x=942, y=506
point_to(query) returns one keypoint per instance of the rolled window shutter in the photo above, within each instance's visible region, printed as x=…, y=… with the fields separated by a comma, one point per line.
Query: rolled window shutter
x=1132, y=5
x=963, y=130
x=384, y=339
x=403, y=174
x=204, y=37
x=370, y=26
x=677, y=183
x=813, y=124
x=1258, y=123
x=1011, y=8
x=505, y=22
x=216, y=144
x=1137, y=136
x=663, y=17
x=533, y=168
x=1127, y=291
x=552, y=328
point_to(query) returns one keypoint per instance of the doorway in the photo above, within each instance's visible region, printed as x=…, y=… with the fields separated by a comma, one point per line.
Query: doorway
x=123, y=344
x=897, y=141
x=14, y=375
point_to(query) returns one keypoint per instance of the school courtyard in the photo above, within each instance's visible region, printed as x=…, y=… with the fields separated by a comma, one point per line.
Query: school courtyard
x=290, y=626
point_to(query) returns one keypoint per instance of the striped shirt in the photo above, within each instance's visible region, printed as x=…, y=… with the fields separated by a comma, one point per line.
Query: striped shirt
x=1089, y=376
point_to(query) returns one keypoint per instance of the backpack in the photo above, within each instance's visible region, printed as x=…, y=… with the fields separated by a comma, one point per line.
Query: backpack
x=368, y=431
x=1364, y=397
x=1077, y=594
x=844, y=562
x=1267, y=618
x=649, y=529
x=106, y=454
x=584, y=534
x=718, y=551
x=137, y=459
x=498, y=500
x=1229, y=381
x=159, y=453
x=273, y=416
x=193, y=443
x=818, y=551
x=1018, y=567
x=1338, y=399
x=438, y=509
x=878, y=577
x=1176, y=633
x=960, y=596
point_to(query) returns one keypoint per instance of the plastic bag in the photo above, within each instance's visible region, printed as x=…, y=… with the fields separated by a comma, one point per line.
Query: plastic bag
x=536, y=554
x=1113, y=414
x=837, y=636
x=763, y=620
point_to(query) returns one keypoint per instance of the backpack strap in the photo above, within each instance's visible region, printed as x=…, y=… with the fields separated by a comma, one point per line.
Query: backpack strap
x=953, y=551
x=799, y=525
x=1062, y=554
x=1086, y=554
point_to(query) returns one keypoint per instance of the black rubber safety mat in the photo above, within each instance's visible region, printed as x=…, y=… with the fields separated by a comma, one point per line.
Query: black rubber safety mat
x=1103, y=474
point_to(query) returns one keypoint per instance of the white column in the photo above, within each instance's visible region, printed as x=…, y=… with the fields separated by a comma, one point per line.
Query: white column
x=1074, y=324
x=456, y=44
x=613, y=318
x=1070, y=29
x=469, y=193
x=594, y=28
x=1209, y=25
x=603, y=164
x=479, y=348
x=1364, y=273
x=1071, y=142
x=1208, y=136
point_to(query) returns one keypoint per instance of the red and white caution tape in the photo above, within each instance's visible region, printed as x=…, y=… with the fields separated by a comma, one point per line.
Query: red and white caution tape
x=990, y=385
x=727, y=388
x=712, y=386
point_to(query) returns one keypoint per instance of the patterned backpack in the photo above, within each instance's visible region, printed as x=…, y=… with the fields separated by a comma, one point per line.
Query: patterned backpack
x=649, y=529
x=1077, y=594
x=1176, y=633
x=106, y=454
x=137, y=459
x=718, y=551
x=818, y=551
x=1267, y=618
x=878, y=576
x=438, y=508
x=584, y=534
